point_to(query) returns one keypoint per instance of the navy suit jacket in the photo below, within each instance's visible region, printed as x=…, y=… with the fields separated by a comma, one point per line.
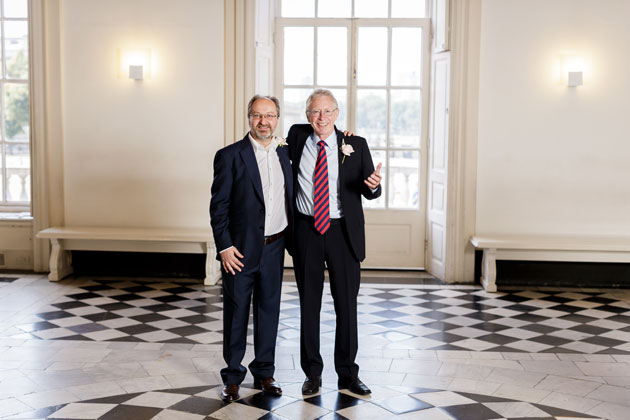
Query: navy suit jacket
x=353, y=170
x=237, y=206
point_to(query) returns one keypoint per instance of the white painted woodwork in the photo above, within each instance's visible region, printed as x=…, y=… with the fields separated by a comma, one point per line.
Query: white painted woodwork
x=441, y=25
x=263, y=45
x=579, y=248
x=438, y=165
x=394, y=238
x=65, y=239
x=39, y=171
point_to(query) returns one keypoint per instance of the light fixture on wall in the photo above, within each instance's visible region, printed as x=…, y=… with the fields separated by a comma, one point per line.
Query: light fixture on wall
x=574, y=78
x=573, y=67
x=134, y=63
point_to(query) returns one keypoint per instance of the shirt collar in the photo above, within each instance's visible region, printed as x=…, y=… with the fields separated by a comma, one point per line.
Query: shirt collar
x=331, y=141
x=258, y=146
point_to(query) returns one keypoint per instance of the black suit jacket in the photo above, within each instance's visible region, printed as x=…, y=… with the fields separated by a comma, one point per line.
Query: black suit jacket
x=237, y=206
x=353, y=170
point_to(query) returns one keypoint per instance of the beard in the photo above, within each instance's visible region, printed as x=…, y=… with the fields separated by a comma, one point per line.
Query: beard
x=261, y=135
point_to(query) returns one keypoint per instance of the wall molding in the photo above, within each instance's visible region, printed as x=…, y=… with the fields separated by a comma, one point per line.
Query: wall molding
x=37, y=103
x=239, y=65
x=465, y=16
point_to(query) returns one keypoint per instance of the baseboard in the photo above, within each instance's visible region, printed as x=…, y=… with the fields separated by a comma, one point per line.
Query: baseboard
x=139, y=264
x=560, y=274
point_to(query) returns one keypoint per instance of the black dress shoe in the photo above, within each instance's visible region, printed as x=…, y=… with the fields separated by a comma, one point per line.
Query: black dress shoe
x=229, y=393
x=354, y=385
x=268, y=385
x=311, y=385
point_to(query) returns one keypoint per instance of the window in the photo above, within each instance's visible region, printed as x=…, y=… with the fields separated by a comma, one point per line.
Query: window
x=374, y=56
x=15, y=161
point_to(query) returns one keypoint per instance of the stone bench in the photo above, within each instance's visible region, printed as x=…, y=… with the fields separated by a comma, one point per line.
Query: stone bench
x=87, y=238
x=547, y=248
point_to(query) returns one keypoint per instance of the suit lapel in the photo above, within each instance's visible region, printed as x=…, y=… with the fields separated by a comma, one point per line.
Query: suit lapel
x=340, y=166
x=286, y=169
x=300, y=147
x=251, y=166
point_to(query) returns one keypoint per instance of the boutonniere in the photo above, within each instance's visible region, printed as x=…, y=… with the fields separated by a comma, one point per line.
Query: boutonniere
x=346, y=149
x=281, y=141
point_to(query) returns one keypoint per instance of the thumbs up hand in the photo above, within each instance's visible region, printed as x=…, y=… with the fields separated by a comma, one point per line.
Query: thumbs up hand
x=374, y=179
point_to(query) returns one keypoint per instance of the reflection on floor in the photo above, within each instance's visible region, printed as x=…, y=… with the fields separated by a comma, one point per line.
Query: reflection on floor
x=91, y=348
x=202, y=402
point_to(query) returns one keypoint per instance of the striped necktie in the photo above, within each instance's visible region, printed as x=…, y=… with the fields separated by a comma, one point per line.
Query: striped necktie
x=321, y=214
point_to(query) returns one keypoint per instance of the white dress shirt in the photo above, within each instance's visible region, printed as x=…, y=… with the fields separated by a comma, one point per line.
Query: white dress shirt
x=304, y=198
x=272, y=180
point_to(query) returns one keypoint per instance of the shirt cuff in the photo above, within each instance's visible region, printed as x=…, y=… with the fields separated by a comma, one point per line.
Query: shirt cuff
x=222, y=251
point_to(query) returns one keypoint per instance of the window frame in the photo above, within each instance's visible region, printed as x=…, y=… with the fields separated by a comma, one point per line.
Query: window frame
x=5, y=205
x=352, y=87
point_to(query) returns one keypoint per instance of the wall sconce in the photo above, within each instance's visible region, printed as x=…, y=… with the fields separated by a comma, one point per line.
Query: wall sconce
x=134, y=63
x=573, y=66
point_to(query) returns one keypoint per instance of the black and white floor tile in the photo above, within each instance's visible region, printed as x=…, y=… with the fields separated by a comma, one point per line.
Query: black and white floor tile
x=87, y=348
x=389, y=317
x=203, y=403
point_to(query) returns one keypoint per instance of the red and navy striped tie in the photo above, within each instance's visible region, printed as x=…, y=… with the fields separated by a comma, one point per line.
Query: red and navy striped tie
x=321, y=213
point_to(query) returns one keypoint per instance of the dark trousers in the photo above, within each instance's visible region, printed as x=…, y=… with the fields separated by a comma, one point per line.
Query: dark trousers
x=312, y=250
x=264, y=281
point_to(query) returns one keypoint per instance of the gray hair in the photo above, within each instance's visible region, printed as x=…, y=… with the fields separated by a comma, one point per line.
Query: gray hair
x=273, y=99
x=316, y=94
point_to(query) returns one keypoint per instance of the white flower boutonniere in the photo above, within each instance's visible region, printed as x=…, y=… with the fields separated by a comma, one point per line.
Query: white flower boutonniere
x=281, y=141
x=346, y=149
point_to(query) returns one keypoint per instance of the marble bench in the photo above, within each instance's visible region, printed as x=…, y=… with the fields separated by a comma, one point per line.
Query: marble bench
x=88, y=238
x=547, y=248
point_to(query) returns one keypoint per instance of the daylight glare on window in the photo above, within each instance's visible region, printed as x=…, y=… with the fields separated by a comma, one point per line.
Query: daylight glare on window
x=372, y=54
x=15, y=182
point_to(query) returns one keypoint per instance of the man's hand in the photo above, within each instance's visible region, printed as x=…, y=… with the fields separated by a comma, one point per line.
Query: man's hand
x=230, y=260
x=348, y=133
x=374, y=180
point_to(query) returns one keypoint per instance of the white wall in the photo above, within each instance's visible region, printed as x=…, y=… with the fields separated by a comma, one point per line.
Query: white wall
x=553, y=159
x=140, y=153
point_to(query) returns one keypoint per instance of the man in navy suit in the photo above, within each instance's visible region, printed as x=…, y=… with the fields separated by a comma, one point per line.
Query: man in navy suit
x=250, y=212
x=330, y=173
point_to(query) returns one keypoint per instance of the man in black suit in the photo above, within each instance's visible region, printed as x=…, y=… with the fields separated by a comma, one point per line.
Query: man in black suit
x=249, y=212
x=331, y=172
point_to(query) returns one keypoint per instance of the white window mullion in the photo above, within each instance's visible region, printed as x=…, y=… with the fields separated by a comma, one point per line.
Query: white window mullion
x=3, y=137
x=3, y=148
x=4, y=57
x=388, y=101
x=315, y=53
x=352, y=74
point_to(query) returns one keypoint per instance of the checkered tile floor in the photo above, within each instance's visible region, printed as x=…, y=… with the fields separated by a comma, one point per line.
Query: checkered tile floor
x=393, y=317
x=203, y=403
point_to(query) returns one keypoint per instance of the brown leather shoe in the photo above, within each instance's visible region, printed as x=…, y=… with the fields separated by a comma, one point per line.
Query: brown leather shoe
x=230, y=393
x=268, y=385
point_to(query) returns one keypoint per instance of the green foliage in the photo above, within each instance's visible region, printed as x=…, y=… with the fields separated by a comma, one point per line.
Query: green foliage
x=16, y=96
x=17, y=66
x=16, y=107
x=404, y=115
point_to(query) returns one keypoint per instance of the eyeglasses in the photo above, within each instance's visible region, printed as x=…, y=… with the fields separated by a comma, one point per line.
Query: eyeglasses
x=324, y=112
x=261, y=116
